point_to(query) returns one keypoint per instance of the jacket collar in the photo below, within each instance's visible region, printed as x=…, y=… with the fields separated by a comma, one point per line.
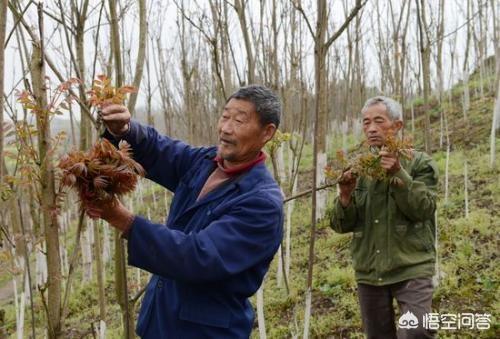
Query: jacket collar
x=244, y=182
x=233, y=171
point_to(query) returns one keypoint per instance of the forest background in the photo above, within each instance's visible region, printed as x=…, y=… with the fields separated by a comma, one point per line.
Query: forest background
x=63, y=275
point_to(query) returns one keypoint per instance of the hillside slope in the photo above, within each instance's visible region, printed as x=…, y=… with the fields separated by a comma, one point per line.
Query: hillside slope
x=468, y=246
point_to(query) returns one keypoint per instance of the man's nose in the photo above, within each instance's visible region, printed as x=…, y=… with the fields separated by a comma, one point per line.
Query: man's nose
x=372, y=128
x=226, y=127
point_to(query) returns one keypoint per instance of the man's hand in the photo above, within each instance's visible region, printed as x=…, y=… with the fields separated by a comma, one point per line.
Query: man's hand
x=113, y=212
x=116, y=118
x=390, y=162
x=347, y=183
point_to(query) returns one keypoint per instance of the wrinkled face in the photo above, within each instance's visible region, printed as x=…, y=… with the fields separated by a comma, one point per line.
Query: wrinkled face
x=377, y=125
x=241, y=135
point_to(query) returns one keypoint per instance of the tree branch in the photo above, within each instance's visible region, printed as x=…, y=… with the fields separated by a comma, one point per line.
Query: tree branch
x=351, y=16
x=16, y=23
x=51, y=63
x=309, y=191
x=297, y=5
x=138, y=295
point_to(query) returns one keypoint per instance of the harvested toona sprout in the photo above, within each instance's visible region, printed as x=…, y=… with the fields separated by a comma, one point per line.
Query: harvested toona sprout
x=102, y=173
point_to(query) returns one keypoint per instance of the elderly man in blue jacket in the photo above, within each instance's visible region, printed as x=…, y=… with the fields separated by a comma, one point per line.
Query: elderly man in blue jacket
x=224, y=226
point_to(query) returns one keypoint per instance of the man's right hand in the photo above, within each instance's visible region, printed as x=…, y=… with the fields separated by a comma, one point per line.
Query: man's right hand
x=116, y=118
x=347, y=183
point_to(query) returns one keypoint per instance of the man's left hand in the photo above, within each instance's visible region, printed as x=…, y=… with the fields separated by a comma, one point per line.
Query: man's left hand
x=390, y=162
x=113, y=212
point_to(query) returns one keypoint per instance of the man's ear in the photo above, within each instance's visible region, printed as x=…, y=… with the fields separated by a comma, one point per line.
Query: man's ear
x=268, y=132
x=397, y=126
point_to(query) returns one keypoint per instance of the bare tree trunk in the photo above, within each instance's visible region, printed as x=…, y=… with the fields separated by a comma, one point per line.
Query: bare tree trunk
x=79, y=16
x=439, y=57
x=495, y=121
x=260, y=312
x=496, y=37
x=47, y=182
x=120, y=264
x=446, y=174
x=187, y=76
x=226, y=50
x=480, y=46
x=494, y=127
x=141, y=54
x=466, y=188
x=85, y=126
x=239, y=6
x=274, y=53
x=439, y=68
x=3, y=23
x=99, y=272
x=321, y=45
x=465, y=70
x=399, y=48
x=425, y=54
x=149, y=96
x=217, y=52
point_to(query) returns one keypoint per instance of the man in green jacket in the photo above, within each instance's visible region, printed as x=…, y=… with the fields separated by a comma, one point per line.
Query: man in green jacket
x=393, y=243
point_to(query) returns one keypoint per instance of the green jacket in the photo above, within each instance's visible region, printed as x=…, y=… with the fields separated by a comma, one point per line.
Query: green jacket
x=393, y=227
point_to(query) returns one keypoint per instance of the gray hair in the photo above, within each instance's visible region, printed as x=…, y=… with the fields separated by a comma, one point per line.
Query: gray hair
x=394, y=109
x=267, y=104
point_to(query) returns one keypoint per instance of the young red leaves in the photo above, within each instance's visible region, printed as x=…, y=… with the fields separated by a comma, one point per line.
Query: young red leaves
x=102, y=173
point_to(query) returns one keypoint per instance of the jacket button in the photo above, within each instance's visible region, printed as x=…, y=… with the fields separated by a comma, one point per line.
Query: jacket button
x=379, y=279
x=160, y=284
x=209, y=212
x=375, y=221
x=377, y=251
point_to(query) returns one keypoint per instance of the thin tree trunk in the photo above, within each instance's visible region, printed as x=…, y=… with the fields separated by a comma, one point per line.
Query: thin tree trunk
x=494, y=127
x=466, y=189
x=19, y=305
x=446, y=174
x=99, y=272
x=425, y=57
x=141, y=54
x=495, y=122
x=120, y=264
x=85, y=126
x=465, y=68
x=260, y=312
x=321, y=45
x=288, y=239
x=3, y=23
x=239, y=6
x=47, y=182
x=26, y=255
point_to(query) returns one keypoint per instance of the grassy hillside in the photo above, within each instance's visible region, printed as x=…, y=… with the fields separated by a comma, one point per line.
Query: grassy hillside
x=468, y=247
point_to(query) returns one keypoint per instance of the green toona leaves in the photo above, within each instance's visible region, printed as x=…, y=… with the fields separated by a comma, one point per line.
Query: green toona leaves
x=364, y=160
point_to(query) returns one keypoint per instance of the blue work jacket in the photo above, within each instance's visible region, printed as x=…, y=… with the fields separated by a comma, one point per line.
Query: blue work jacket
x=212, y=254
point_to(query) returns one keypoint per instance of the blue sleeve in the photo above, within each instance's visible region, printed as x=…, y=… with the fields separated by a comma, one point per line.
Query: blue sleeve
x=165, y=160
x=248, y=234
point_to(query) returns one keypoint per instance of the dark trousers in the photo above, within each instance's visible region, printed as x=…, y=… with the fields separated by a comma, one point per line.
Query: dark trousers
x=377, y=311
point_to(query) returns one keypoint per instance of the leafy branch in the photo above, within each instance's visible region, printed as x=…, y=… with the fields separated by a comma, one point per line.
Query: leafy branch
x=364, y=160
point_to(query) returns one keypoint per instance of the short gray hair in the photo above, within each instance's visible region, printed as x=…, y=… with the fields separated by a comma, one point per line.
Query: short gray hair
x=394, y=109
x=267, y=104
